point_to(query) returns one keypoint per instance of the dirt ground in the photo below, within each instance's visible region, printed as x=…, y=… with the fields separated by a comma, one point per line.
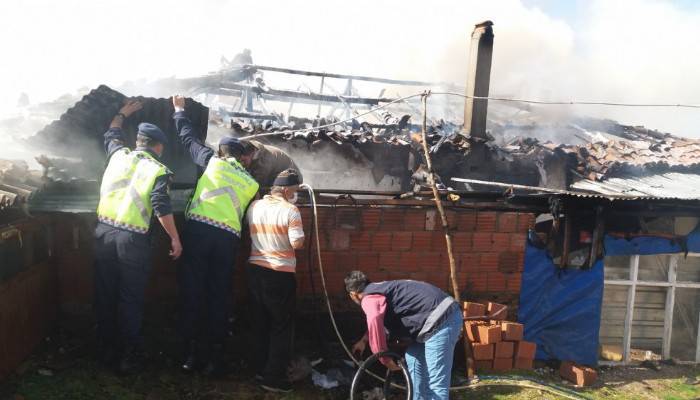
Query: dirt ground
x=63, y=368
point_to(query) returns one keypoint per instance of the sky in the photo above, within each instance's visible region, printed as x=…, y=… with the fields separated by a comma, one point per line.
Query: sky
x=622, y=51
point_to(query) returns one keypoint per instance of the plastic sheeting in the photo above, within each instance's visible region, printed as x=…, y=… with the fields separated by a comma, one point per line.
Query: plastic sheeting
x=648, y=245
x=560, y=308
x=643, y=245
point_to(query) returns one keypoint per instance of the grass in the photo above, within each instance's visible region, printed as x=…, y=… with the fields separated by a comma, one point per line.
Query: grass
x=85, y=381
x=75, y=376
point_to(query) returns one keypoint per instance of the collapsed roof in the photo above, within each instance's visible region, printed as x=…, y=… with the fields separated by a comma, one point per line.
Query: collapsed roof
x=582, y=154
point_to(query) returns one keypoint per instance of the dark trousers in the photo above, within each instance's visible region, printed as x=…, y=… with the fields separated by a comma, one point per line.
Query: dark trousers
x=122, y=268
x=272, y=303
x=205, y=280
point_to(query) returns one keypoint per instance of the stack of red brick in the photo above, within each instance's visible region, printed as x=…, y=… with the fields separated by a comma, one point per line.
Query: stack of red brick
x=497, y=345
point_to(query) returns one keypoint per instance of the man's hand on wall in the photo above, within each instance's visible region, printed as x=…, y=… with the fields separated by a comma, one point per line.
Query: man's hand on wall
x=130, y=107
x=178, y=102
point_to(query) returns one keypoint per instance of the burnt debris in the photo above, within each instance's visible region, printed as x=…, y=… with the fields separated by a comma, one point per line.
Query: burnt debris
x=78, y=133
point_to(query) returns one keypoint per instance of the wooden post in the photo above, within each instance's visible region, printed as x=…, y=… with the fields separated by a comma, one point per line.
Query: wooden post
x=697, y=343
x=446, y=229
x=564, y=263
x=320, y=91
x=597, y=236
x=629, y=316
x=670, y=305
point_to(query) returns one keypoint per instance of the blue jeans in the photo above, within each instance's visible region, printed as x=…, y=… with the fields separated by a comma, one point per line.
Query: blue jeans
x=430, y=363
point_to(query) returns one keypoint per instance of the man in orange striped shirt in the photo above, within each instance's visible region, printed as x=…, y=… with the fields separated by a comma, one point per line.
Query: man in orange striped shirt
x=276, y=232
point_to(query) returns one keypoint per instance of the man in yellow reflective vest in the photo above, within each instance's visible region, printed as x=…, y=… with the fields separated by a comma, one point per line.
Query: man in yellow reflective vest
x=134, y=188
x=212, y=239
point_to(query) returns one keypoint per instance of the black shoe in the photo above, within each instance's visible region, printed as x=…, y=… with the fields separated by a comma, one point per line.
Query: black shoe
x=216, y=367
x=258, y=378
x=132, y=362
x=107, y=356
x=190, y=363
x=276, y=387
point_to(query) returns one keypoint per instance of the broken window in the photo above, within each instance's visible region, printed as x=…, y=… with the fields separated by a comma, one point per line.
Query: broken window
x=688, y=269
x=646, y=340
x=651, y=308
x=654, y=267
x=612, y=321
x=617, y=267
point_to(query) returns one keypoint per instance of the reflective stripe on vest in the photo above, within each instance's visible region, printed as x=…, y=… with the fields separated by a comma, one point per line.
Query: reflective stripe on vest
x=125, y=193
x=222, y=195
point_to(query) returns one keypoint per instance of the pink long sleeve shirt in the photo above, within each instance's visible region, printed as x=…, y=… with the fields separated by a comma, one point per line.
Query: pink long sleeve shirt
x=374, y=306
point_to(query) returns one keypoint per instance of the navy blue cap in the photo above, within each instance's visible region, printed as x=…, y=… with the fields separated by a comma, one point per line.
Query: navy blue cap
x=288, y=177
x=152, y=132
x=231, y=142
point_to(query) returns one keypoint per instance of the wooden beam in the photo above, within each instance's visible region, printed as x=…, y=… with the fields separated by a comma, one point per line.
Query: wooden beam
x=622, y=282
x=243, y=114
x=668, y=310
x=567, y=241
x=345, y=76
x=277, y=94
x=320, y=91
x=597, y=236
x=629, y=316
x=697, y=343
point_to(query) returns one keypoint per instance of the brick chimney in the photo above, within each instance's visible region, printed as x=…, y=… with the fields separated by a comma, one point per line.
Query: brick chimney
x=478, y=78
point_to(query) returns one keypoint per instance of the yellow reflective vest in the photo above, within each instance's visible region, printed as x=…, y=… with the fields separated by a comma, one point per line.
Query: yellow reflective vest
x=222, y=195
x=125, y=194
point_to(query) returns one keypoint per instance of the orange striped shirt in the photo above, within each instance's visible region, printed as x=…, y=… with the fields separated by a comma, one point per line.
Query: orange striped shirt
x=275, y=231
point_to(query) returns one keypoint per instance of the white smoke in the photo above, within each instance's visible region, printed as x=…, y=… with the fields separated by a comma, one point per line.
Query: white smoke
x=631, y=51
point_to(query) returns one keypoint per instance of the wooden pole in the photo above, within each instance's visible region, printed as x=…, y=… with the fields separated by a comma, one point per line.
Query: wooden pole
x=446, y=229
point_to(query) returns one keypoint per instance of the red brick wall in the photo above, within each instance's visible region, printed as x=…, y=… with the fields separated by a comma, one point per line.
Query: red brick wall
x=409, y=243
x=386, y=243
x=28, y=300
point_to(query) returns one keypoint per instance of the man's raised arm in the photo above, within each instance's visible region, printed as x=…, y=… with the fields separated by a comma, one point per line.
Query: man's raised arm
x=198, y=151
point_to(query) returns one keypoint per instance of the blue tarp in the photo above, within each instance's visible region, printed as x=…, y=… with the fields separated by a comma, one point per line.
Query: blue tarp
x=560, y=308
x=644, y=246
x=648, y=245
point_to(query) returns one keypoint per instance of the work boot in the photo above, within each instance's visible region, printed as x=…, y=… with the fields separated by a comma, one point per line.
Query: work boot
x=132, y=361
x=107, y=355
x=216, y=367
x=190, y=363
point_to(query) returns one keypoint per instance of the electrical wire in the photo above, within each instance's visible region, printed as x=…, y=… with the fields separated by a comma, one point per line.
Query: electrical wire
x=572, y=102
x=501, y=381
x=504, y=99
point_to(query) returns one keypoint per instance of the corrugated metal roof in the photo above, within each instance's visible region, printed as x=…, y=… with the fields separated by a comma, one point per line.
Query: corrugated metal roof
x=672, y=185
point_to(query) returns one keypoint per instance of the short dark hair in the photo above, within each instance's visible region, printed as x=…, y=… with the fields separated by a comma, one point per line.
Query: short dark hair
x=230, y=151
x=145, y=141
x=248, y=148
x=356, y=281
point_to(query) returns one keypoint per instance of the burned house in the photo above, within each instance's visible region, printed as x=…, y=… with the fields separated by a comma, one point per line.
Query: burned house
x=594, y=234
